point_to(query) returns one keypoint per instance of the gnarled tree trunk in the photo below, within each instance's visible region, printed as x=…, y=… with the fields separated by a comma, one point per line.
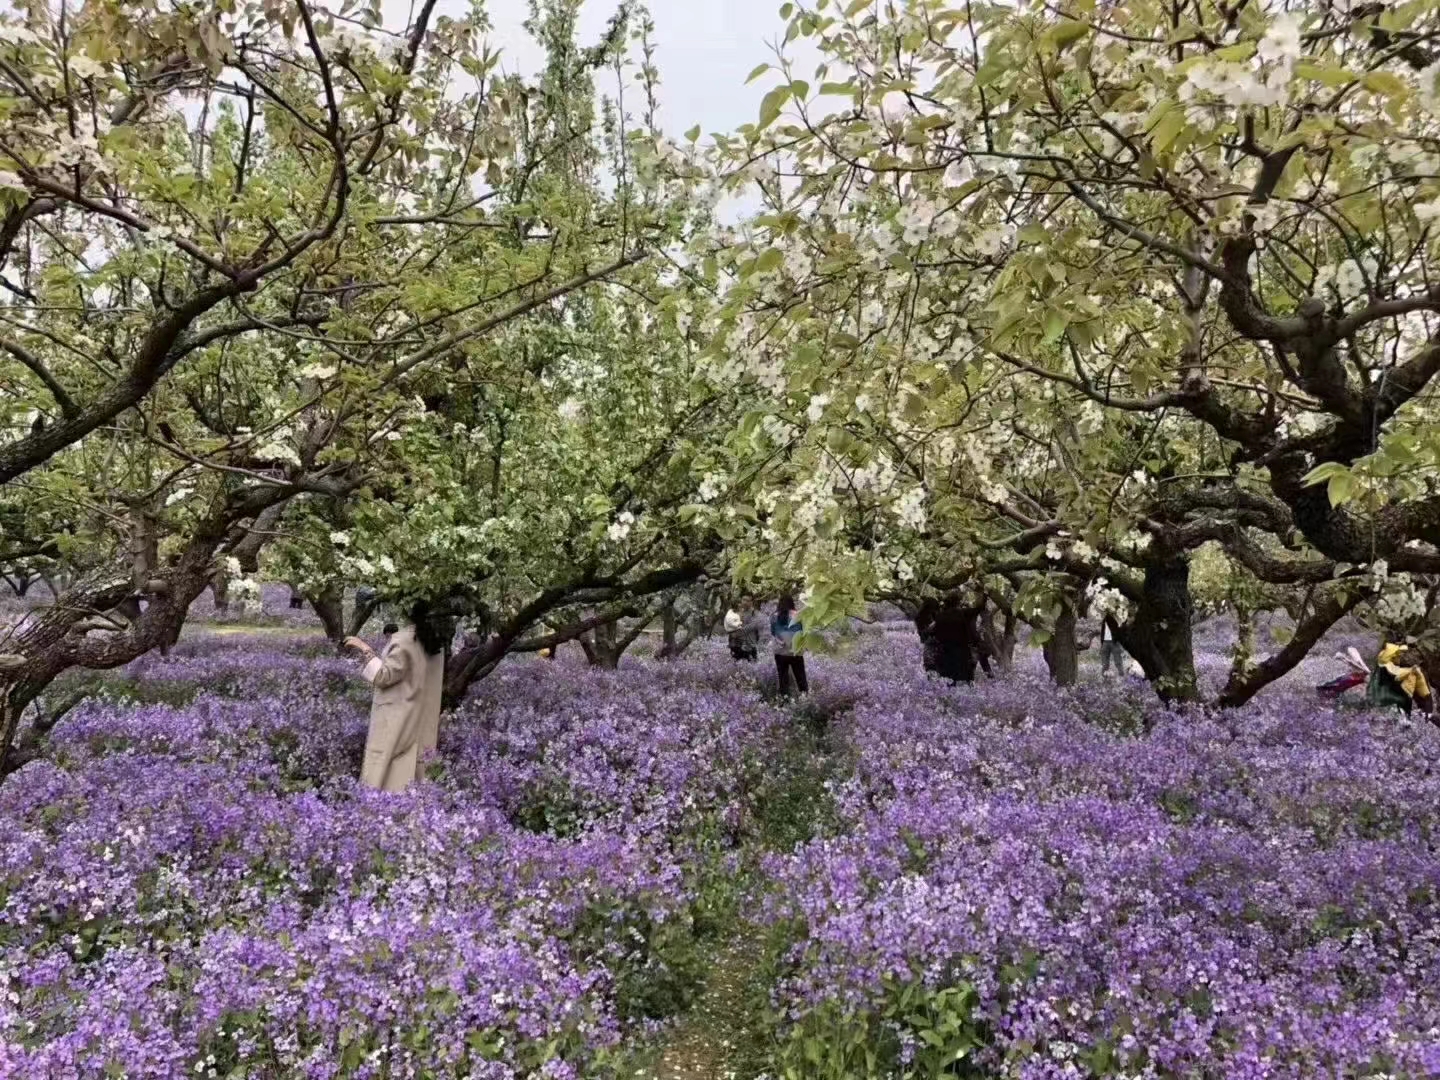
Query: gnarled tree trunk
x=66, y=635
x=329, y=605
x=220, y=590
x=1158, y=633
x=1062, y=655
x=668, y=629
x=361, y=613
x=606, y=644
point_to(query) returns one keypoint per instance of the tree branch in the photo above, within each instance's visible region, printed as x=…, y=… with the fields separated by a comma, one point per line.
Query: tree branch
x=67, y=404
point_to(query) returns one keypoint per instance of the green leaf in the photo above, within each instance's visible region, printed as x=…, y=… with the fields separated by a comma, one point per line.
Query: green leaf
x=800, y=89
x=786, y=10
x=1054, y=325
x=1322, y=473
x=1067, y=33
x=771, y=105
x=1169, y=125
x=693, y=134
x=855, y=7
x=838, y=89
x=760, y=70
x=770, y=259
x=1325, y=74
x=1341, y=488
x=1385, y=82
x=1236, y=54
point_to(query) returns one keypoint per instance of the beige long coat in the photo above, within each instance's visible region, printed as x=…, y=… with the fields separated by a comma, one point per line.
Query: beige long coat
x=403, y=676
x=434, y=690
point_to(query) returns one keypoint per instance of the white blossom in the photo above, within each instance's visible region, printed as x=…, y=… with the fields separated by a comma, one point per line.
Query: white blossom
x=910, y=508
x=1430, y=88
x=83, y=67
x=1427, y=211
x=710, y=486
x=620, y=528
x=1281, y=43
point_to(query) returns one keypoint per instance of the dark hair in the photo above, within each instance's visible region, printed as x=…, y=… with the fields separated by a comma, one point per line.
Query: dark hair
x=431, y=630
x=786, y=607
x=390, y=628
x=929, y=608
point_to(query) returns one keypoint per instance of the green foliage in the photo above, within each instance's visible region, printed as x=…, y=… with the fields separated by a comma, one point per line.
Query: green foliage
x=1007, y=340
x=913, y=1031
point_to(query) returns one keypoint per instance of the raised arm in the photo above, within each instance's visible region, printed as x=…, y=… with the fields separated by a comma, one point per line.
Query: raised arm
x=385, y=671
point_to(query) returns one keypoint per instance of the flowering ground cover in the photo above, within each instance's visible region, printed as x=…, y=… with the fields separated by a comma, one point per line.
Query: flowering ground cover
x=198, y=887
x=1033, y=885
x=999, y=881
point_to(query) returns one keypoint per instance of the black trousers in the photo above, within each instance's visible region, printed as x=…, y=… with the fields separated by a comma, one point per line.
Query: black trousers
x=787, y=666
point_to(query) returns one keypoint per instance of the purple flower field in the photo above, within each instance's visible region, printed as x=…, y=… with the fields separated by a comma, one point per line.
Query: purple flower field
x=998, y=881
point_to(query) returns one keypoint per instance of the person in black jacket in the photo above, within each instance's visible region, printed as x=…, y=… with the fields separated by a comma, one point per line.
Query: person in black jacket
x=1110, y=650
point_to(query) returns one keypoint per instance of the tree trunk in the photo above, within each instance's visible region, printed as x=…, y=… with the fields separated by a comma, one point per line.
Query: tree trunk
x=1244, y=660
x=1062, y=656
x=607, y=645
x=54, y=639
x=1002, y=642
x=220, y=590
x=587, y=646
x=144, y=549
x=23, y=751
x=668, y=631
x=329, y=604
x=364, y=609
x=15, y=695
x=603, y=652
x=1158, y=633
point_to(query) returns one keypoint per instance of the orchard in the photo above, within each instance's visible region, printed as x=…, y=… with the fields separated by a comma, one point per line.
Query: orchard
x=939, y=577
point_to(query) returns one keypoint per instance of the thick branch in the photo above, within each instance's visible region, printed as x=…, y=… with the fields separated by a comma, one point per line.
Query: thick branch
x=41, y=372
x=1242, y=686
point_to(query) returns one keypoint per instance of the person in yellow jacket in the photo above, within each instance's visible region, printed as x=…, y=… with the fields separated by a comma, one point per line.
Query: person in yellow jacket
x=1398, y=669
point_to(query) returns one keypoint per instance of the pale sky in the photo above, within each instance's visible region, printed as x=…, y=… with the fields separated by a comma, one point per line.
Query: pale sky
x=704, y=50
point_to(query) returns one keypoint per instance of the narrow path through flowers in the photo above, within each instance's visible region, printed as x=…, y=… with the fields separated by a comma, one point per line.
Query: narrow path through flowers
x=706, y=1044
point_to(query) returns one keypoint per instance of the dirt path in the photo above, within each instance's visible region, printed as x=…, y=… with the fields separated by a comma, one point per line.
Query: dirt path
x=704, y=1045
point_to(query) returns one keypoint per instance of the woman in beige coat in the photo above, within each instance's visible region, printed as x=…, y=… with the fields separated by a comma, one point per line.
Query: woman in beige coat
x=407, y=677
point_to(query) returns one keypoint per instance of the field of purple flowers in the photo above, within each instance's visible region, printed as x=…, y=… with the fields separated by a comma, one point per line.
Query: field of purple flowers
x=999, y=881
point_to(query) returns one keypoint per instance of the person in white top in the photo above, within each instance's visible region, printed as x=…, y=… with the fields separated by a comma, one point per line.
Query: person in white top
x=743, y=630
x=405, y=713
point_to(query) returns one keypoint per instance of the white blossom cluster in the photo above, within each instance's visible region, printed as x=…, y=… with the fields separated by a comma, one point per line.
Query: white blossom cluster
x=1104, y=599
x=621, y=527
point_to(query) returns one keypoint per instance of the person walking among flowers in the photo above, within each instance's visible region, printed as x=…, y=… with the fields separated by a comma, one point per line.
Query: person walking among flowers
x=789, y=664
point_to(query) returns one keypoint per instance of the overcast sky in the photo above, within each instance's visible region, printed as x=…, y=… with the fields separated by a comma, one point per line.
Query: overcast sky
x=704, y=50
